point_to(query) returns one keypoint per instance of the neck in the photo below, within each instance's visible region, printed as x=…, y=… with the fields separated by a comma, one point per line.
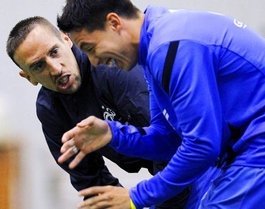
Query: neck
x=134, y=27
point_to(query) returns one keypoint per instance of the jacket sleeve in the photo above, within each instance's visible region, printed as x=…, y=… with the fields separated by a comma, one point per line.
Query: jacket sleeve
x=195, y=99
x=91, y=171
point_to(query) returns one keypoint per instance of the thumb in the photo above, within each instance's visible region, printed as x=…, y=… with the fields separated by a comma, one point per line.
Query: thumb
x=87, y=122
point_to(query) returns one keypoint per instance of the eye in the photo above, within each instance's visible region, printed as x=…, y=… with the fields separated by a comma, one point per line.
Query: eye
x=38, y=67
x=88, y=49
x=54, y=52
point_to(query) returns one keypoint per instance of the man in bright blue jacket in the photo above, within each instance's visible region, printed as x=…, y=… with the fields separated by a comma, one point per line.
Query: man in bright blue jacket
x=206, y=75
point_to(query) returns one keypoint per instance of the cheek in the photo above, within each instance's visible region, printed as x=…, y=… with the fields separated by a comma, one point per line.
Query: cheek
x=108, y=46
x=44, y=79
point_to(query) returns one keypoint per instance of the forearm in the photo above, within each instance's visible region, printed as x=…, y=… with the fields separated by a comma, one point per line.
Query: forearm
x=181, y=172
x=148, y=143
x=90, y=172
x=129, y=164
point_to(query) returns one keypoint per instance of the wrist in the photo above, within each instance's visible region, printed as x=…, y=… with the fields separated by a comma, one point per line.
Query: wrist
x=132, y=206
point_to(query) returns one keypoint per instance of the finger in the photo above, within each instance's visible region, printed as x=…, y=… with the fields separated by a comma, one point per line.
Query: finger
x=78, y=158
x=97, y=202
x=66, y=155
x=91, y=191
x=95, y=205
x=68, y=135
x=67, y=145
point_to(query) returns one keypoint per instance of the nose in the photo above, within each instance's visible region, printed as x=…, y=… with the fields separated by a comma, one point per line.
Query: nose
x=55, y=68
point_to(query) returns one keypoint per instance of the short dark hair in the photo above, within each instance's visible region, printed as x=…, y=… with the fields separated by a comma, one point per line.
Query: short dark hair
x=91, y=14
x=21, y=30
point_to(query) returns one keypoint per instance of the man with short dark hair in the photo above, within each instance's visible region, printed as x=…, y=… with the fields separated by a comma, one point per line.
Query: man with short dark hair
x=72, y=90
x=206, y=73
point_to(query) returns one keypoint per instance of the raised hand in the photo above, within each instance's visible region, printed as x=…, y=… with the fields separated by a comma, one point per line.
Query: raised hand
x=87, y=136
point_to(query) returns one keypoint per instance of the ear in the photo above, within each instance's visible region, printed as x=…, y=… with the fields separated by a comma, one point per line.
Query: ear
x=66, y=38
x=114, y=21
x=23, y=74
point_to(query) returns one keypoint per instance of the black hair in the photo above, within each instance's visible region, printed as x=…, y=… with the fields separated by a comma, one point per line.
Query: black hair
x=21, y=30
x=91, y=14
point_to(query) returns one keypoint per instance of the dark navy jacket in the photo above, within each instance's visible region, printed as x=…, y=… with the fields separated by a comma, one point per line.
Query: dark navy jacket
x=105, y=93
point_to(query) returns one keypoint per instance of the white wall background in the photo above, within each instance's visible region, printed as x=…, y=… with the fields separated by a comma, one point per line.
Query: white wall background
x=42, y=184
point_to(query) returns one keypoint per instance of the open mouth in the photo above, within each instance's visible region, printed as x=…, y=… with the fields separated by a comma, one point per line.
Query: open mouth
x=111, y=62
x=62, y=82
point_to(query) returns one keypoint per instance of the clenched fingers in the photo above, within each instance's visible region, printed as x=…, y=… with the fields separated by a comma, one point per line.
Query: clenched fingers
x=110, y=197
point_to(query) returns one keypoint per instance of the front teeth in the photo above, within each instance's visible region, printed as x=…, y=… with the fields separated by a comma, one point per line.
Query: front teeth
x=111, y=63
x=63, y=80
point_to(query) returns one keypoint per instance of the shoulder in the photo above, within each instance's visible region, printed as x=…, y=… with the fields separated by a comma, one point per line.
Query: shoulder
x=45, y=104
x=44, y=97
x=103, y=72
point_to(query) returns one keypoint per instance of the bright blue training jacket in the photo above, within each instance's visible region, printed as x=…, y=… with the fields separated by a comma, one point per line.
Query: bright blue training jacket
x=206, y=73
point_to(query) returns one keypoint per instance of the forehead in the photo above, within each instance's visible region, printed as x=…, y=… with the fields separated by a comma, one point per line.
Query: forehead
x=37, y=42
x=40, y=35
x=83, y=36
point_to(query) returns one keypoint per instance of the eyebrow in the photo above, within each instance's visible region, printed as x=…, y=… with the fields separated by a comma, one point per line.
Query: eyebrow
x=32, y=65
